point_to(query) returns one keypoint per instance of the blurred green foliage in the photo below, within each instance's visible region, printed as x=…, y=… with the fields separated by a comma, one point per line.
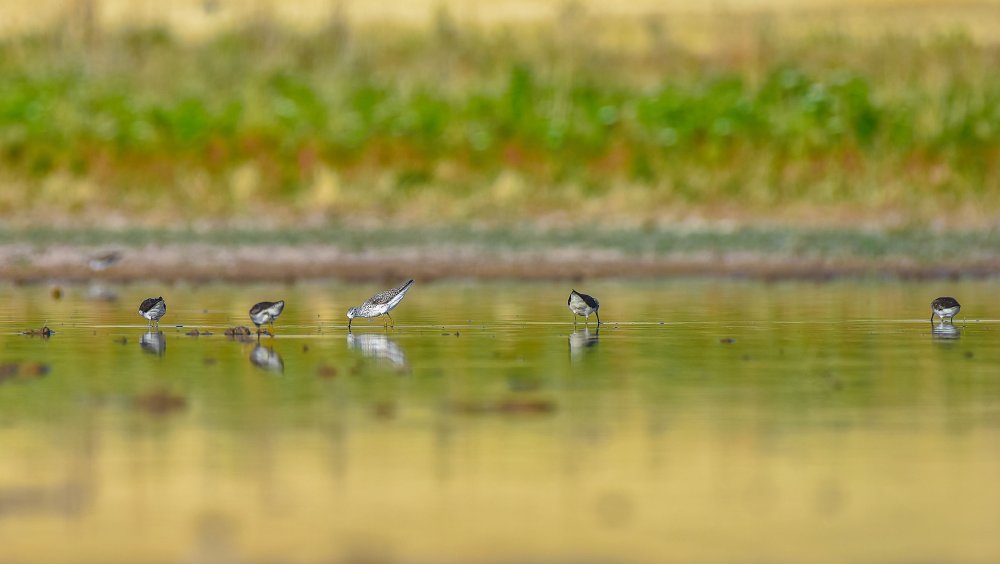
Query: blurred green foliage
x=891, y=121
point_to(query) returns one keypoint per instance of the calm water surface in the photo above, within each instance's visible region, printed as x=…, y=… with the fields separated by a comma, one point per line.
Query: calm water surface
x=705, y=421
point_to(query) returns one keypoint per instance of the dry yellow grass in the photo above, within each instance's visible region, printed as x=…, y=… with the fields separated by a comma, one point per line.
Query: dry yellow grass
x=199, y=18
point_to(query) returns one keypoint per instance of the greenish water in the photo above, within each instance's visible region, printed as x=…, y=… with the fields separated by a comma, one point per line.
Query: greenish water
x=705, y=421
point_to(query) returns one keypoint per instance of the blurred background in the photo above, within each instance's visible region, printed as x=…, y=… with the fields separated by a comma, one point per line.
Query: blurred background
x=219, y=153
x=648, y=114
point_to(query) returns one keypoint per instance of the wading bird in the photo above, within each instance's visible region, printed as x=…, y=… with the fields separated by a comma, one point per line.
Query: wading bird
x=946, y=308
x=153, y=309
x=379, y=304
x=582, y=304
x=265, y=313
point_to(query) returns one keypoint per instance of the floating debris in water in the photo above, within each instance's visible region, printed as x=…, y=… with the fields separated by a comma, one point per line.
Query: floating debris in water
x=238, y=331
x=56, y=293
x=44, y=332
x=121, y=341
x=34, y=369
x=209, y=361
x=160, y=402
x=506, y=407
x=727, y=341
x=8, y=370
x=26, y=371
x=384, y=410
x=326, y=371
x=197, y=333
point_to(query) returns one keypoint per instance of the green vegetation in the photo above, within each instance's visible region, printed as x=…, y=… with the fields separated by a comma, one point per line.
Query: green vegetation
x=540, y=122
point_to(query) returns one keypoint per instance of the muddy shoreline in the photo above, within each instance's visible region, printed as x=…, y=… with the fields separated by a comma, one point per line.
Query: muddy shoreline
x=25, y=263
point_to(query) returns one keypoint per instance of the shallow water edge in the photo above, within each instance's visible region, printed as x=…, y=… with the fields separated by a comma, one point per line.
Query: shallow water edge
x=706, y=421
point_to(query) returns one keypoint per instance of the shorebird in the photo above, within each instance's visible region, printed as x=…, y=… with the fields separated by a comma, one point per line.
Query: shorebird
x=946, y=308
x=582, y=304
x=379, y=304
x=153, y=309
x=266, y=312
x=104, y=261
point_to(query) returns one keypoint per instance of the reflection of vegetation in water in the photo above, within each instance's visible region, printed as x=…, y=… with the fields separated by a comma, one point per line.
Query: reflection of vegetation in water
x=526, y=357
x=426, y=124
x=778, y=404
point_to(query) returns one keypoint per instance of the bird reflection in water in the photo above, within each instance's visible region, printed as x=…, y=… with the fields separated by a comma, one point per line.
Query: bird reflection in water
x=945, y=331
x=581, y=341
x=153, y=342
x=100, y=293
x=377, y=347
x=266, y=358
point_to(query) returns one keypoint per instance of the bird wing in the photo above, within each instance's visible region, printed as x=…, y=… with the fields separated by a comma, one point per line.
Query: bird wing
x=590, y=301
x=277, y=307
x=257, y=308
x=400, y=292
x=272, y=308
x=390, y=297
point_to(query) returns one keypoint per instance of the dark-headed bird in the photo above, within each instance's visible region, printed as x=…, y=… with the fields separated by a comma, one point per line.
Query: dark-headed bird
x=946, y=308
x=265, y=313
x=582, y=304
x=153, y=309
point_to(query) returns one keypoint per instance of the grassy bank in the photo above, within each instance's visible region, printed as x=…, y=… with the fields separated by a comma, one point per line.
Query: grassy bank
x=513, y=252
x=916, y=245
x=568, y=121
